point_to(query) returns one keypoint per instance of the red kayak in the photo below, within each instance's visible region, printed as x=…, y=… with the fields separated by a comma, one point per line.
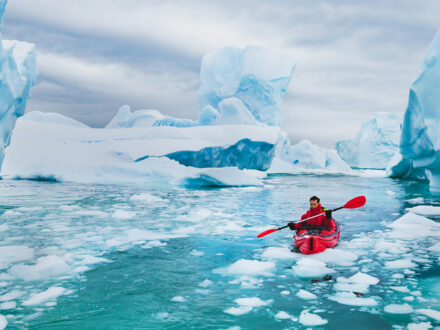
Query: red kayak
x=315, y=239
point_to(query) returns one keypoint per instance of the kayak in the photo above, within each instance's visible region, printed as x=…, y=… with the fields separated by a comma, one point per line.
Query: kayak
x=316, y=239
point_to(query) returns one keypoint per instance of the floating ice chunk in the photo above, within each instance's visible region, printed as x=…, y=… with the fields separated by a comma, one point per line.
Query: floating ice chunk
x=426, y=210
x=285, y=292
x=122, y=215
x=14, y=294
x=196, y=253
x=253, y=302
x=273, y=252
x=247, y=282
x=349, y=298
x=408, y=298
x=310, y=320
x=400, y=263
x=8, y=305
x=42, y=297
x=435, y=247
x=303, y=294
x=403, y=289
x=90, y=213
x=3, y=322
x=69, y=208
x=152, y=244
x=248, y=267
x=45, y=267
x=283, y=315
x=420, y=326
x=416, y=293
x=90, y=260
x=430, y=313
x=3, y=227
x=311, y=268
x=360, y=278
x=351, y=287
x=147, y=198
x=238, y=311
x=205, y=283
x=14, y=253
x=336, y=257
x=178, y=299
x=412, y=226
x=398, y=309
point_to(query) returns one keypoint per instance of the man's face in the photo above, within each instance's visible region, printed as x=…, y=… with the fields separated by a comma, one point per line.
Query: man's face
x=313, y=204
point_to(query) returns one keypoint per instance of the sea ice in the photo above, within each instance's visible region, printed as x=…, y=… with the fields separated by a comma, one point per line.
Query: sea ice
x=349, y=298
x=238, y=311
x=45, y=296
x=178, y=299
x=248, y=267
x=253, y=302
x=3, y=322
x=310, y=320
x=44, y=268
x=283, y=315
x=426, y=210
x=8, y=305
x=303, y=294
x=398, y=309
x=311, y=268
x=430, y=313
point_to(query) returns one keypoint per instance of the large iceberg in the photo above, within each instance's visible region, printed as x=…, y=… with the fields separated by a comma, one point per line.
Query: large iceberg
x=375, y=144
x=47, y=146
x=18, y=72
x=420, y=139
x=240, y=86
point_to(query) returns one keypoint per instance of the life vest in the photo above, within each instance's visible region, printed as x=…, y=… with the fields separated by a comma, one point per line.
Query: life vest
x=320, y=221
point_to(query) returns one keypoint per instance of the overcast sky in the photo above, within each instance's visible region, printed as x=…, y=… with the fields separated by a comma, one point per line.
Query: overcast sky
x=353, y=57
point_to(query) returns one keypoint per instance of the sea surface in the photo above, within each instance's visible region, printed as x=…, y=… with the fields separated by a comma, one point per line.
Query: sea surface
x=87, y=256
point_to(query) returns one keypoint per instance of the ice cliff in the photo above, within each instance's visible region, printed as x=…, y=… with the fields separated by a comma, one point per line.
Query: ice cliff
x=18, y=72
x=420, y=138
x=375, y=144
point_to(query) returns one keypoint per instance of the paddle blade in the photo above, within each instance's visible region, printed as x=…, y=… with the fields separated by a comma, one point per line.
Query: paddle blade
x=267, y=232
x=355, y=202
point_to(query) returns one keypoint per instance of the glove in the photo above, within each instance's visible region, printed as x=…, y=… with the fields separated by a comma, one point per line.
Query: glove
x=328, y=214
x=291, y=225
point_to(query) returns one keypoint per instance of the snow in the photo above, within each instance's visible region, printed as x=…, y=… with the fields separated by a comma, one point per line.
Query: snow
x=248, y=267
x=52, y=117
x=426, y=210
x=45, y=296
x=48, y=150
x=420, y=138
x=375, y=144
x=311, y=268
x=398, y=309
x=244, y=84
x=303, y=294
x=44, y=268
x=310, y=320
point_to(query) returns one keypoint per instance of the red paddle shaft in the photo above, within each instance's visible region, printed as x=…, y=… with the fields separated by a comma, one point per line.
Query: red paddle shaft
x=351, y=204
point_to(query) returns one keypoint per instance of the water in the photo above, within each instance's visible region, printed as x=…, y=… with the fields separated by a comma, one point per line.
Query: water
x=169, y=242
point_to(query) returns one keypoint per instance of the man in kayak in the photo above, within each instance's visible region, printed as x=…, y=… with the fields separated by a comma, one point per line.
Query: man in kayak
x=323, y=221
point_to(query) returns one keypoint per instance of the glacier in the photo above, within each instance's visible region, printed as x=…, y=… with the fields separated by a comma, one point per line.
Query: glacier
x=420, y=138
x=375, y=144
x=18, y=72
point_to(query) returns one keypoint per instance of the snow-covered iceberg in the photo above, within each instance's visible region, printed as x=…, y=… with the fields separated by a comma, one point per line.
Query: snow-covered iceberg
x=65, y=150
x=18, y=72
x=420, y=139
x=375, y=144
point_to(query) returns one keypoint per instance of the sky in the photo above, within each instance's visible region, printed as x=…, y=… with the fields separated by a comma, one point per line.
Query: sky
x=354, y=58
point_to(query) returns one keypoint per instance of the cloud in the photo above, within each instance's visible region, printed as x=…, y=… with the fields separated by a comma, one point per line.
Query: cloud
x=354, y=58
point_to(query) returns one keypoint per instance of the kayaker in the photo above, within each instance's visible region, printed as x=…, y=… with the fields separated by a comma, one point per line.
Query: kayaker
x=322, y=222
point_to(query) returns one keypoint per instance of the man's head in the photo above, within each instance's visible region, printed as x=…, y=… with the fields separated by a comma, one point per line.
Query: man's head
x=314, y=201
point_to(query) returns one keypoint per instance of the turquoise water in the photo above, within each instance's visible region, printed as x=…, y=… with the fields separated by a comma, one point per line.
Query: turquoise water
x=178, y=242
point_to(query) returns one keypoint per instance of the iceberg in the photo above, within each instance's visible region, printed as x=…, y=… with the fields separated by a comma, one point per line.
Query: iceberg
x=375, y=144
x=46, y=146
x=18, y=72
x=240, y=86
x=420, y=138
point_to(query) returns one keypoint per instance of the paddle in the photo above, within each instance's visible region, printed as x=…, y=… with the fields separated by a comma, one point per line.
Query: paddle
x=351, y=204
